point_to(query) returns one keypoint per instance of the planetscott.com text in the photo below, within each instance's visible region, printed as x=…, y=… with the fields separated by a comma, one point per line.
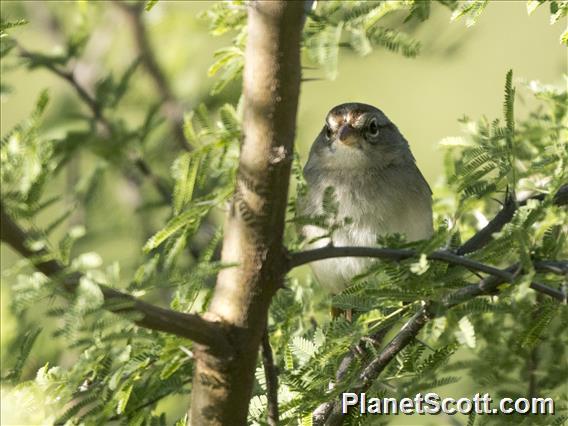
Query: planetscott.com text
x=432, y=403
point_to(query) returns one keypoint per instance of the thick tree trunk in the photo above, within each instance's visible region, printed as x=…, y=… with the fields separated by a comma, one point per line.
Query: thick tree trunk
x=223, y=382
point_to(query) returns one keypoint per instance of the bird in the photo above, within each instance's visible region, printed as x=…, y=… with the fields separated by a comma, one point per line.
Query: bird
x=364, y=157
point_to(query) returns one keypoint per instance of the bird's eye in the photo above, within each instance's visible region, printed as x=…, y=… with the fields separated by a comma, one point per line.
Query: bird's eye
x=328, y=132
x=373, y=128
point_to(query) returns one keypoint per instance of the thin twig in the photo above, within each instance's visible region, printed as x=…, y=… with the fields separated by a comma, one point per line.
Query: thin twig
x=322, y=411
x=96, y=109
x=331, y=413
x=485, y=235
x=271, y=376
x=532, y=367
x=558, y=267
x=171, y=106
x=191, y=326
x=300, y=258
x=69, y=77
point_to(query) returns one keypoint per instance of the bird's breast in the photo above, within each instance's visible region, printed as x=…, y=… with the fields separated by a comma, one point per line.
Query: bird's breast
x=375, y=205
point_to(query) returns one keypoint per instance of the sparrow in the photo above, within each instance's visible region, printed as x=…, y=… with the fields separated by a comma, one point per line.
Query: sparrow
x=377, y=185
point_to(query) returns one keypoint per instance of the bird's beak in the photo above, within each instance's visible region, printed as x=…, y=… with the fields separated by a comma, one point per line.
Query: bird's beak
x=347, y=135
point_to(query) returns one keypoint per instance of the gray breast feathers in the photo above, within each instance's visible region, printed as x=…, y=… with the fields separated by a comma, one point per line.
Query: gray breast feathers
x=387, y=201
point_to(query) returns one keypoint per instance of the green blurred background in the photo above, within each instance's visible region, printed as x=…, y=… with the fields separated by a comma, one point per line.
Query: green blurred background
x=459, y=71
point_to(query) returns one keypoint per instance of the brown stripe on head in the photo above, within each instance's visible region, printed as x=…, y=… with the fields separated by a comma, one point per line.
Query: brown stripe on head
x=348, y=112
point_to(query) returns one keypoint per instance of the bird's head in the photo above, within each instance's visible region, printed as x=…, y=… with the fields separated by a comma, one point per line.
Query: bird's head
x=358, y=136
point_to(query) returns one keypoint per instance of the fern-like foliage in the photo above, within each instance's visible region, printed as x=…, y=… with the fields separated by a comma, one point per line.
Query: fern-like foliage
x=329, y=26
x=492, y=160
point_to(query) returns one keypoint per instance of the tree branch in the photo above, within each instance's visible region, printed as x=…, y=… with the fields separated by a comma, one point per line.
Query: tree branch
x=271, y=376
x=321, y=413
x=254, y=224
x=301, y=258
x=331, y=414
x=485, y=235
x=558, y=267
x=171, y=108
x=190, y=326
x=96, y=110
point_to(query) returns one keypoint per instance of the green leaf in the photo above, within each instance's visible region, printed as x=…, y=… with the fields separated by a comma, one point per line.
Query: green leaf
x=66, y=243
x=323, y=48
x=532, y=5
x=150, y=4
x=188, y=129
x=395, y=41
x=203, y=118
x=183, y=421
x=41, y=104
x=421, y=266
x=303, y=348
x=89, y=294
x=89, y=260
x=224, y=57
x=558, y=9
x=147, y=270
x=171, y=367
x=353, y=301
x=184, y=172
x=257, y=406
x=532, y=335
x=470, y=9
x=466, y=333
x=360, y=42
x=189, y=219
x=174, y=247
x=288, y=358
x=122, y=86
x=6, y=46
x=171, y=228
x=508, y=105
x=420, y=10
x=25, y=345
x=92, y=399
x=307, y=420
x=230, y=120
x=6, y=25
x=123, y=396
x=437, y=359
x=260, y=377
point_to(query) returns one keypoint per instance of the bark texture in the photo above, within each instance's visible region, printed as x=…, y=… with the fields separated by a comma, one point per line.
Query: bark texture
x=254, y=226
